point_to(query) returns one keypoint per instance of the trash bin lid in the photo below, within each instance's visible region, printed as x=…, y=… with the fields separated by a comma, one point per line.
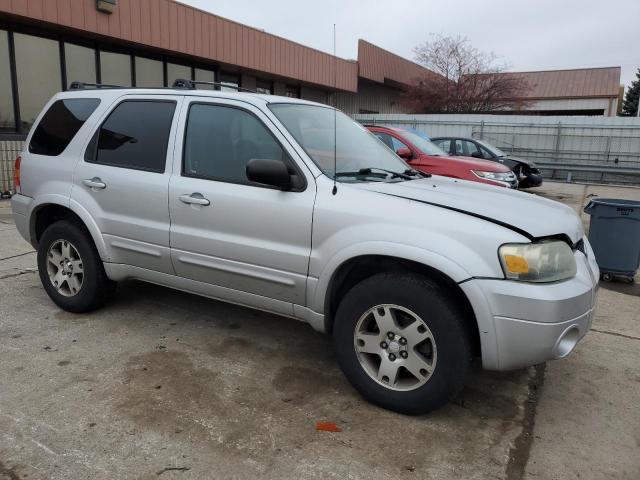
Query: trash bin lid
x=616, y=202
x=611, y=202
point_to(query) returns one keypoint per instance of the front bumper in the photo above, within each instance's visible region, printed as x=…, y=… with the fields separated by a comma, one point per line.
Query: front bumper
x=531, y=180
x=523, y=324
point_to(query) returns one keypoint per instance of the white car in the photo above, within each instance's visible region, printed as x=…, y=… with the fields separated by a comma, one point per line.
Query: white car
x=290, y=207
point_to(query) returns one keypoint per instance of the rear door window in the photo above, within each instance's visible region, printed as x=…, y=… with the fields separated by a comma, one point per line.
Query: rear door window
x=135, y=136
x=60, y=124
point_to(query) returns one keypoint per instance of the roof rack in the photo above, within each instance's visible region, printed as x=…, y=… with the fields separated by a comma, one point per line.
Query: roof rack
x=180, y=83
x=83, y=85
x=191, y=85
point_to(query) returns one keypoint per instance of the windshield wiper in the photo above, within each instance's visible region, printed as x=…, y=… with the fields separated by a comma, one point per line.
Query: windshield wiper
x=363, y=172
x=369, y=171
x=416, y=173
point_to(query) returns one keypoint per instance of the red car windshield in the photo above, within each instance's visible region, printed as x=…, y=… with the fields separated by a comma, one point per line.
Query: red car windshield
x=425, y=146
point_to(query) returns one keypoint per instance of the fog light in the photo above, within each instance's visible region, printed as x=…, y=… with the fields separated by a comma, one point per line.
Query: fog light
x=567, y=341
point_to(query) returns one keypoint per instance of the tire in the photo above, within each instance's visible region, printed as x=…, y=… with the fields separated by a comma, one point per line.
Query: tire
x=82, y=284
x=421, y=303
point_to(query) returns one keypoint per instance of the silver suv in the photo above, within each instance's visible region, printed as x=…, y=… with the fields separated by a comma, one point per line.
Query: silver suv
x=290, y=207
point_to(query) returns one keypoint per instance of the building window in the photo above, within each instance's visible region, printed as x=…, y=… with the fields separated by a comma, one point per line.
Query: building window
x=80, y=63
x=292, y=91
x=149, y=73
x=230, y=82
x=205, y=76
x=115, y=69
x=38, y=73
x=136, y=136
x=175, y=71
x=7, y=120
x=264, y=86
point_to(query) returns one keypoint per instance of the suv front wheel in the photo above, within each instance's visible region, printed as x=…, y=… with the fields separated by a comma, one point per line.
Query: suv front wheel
x=402, y=343
x=70, y=268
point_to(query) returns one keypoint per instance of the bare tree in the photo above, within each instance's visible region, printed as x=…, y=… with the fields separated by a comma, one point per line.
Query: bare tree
x=464, y=80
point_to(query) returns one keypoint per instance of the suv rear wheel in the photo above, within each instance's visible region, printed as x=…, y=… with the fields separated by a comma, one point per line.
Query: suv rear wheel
x=70, y=268
x=402, y=343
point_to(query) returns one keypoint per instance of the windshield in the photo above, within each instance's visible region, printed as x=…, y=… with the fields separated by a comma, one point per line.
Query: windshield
x=495, y=150
x=356, y=148
x=423, y=144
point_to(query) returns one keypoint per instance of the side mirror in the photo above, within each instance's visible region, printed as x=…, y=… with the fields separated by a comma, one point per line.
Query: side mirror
x=405, y=153
x=477, y=154
x=269, y=172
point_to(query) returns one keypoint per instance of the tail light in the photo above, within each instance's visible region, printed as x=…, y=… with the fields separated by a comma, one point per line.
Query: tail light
x=16, y=174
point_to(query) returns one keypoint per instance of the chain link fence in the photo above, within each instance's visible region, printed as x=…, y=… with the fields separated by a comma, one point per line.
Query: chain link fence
x=585, y=149
x=9, y=150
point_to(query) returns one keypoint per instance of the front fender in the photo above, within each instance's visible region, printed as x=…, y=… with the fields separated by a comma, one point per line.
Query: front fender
x=317, y=290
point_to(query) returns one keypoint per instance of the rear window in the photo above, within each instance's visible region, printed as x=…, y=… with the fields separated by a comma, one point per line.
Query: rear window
x=60, y=124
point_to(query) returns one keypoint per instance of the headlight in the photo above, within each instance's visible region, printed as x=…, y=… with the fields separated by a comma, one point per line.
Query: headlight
x=547, y=261
x=498, y=176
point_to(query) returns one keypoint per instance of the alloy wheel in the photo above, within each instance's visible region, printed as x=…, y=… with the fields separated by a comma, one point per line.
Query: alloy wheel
x=395, y=347
x=65, y=268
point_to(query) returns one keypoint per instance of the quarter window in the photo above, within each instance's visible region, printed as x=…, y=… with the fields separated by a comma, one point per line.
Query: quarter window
x=60, y=124
x=135, y=135
x=220, y=141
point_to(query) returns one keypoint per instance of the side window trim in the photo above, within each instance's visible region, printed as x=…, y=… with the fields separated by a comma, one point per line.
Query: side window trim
x=290, y=161
x=91, y=148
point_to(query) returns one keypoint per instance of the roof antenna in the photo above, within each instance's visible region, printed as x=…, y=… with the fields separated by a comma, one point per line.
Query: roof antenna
x=335, y=114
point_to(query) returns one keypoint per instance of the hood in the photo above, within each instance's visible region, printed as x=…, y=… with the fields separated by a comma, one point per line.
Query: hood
x=477, y=164
x=519, y=160
x=526, y=213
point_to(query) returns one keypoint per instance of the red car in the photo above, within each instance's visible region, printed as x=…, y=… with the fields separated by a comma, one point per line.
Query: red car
x=420, y=153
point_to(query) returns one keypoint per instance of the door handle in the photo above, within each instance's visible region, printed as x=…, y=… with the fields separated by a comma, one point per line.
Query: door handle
x=94, y=182
x=194, y=199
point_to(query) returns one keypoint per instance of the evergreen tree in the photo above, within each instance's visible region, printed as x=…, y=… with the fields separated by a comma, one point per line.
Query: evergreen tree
x=630, y=105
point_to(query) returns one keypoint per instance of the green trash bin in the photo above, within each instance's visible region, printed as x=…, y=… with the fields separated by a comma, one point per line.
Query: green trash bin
x=614, y=234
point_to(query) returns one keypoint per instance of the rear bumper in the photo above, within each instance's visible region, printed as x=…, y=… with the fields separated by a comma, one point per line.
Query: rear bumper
x=21, y=207
x=525, y=324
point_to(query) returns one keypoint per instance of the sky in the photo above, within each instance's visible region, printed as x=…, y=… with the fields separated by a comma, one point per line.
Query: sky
x=526, y=34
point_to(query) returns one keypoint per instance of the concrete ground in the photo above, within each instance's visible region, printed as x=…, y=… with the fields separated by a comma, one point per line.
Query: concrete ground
x=164, y=384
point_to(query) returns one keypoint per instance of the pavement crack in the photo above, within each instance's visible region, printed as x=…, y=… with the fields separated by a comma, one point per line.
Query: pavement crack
x=18, y=255
x=173, y=469
x=18, y=274
x=630, y=337
x=519, y=452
